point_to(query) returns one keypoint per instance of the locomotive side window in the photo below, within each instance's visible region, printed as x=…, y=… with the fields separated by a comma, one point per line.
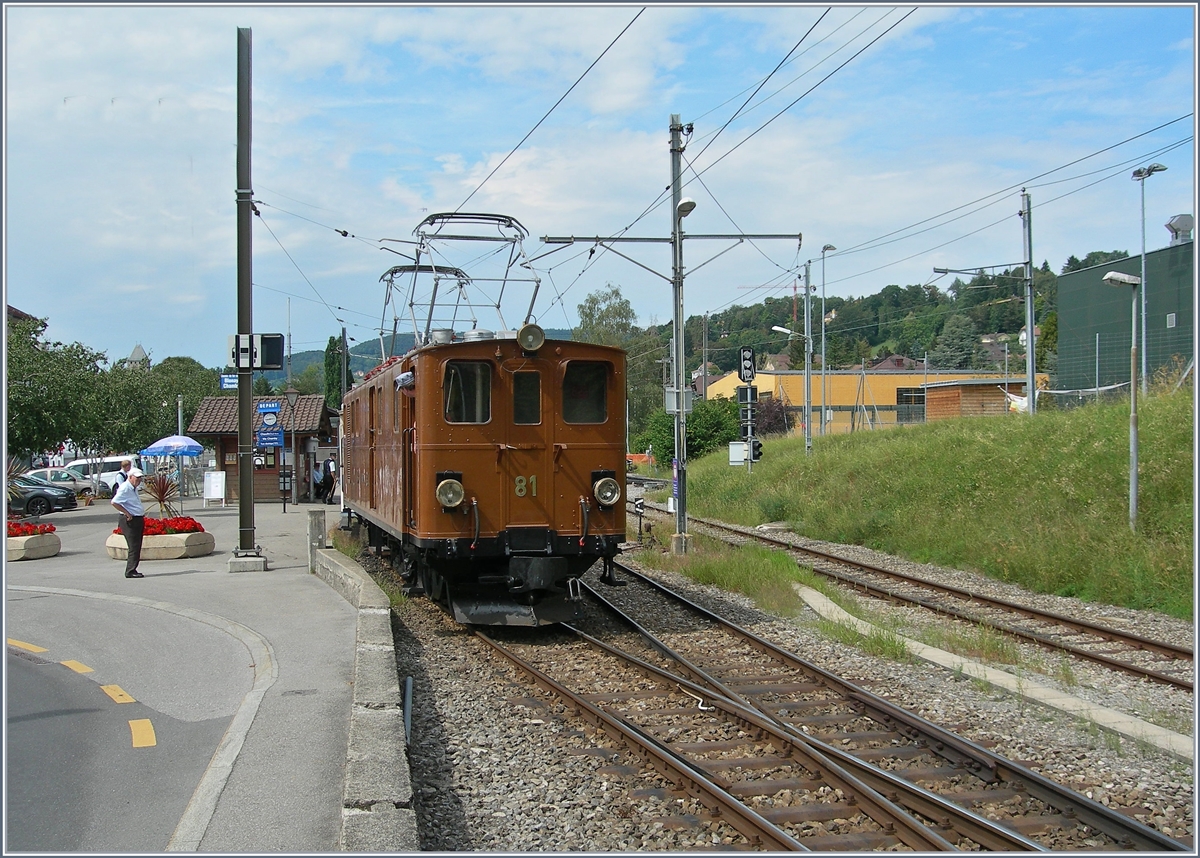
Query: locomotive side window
x=585, y=392
x=468, y=391
x=527, y=398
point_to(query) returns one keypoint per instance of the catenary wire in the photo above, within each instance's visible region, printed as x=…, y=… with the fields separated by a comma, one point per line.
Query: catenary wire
x=551, y=110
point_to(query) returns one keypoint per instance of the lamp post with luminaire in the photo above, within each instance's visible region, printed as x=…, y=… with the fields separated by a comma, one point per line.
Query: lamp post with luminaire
x=1117, y=279
x=1140, y=175
x=291, y=394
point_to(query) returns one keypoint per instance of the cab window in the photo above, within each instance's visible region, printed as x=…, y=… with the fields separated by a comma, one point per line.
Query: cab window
x=585, y=392
x=468, y=391
x=527, y=398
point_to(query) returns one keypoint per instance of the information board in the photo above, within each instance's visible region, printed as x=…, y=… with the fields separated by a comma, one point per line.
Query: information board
x=214, y=487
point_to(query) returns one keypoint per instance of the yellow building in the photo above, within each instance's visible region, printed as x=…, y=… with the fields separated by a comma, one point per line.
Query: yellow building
x=860, y=400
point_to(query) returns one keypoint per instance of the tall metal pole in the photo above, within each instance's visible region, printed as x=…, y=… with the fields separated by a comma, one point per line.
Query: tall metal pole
x=1142, y=182
x=704, y=369
x=1133, y=420
x=824, y=392
x=1030, y=336
x=245, y=299
x=679, y=543
x=807, y=364
x=341, y=462
x=179, y=458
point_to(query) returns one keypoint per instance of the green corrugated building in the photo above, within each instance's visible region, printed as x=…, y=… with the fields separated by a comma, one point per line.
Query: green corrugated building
x=1094, y=329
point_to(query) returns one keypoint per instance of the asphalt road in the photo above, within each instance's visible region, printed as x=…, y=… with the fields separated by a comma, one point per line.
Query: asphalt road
x=75, y=751
x=242, y=681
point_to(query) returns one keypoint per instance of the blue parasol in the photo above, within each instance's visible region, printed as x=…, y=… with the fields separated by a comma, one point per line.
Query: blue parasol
x=174, y=445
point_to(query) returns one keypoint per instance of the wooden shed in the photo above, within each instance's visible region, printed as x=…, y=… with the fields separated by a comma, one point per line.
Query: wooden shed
x=216, y=421
x=977, y=397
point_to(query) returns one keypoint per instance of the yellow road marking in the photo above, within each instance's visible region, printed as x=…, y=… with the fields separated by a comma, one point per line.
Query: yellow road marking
x=78, y=667
x=143, y=733
x=117, y=693
x=28, y=647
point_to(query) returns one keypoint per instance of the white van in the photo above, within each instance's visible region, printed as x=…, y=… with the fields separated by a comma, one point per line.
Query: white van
x=105, y=467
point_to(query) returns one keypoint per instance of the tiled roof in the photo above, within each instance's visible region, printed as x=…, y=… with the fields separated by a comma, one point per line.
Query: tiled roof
x=218, y=415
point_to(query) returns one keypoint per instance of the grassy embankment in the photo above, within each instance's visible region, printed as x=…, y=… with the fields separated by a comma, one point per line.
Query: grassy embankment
x=1042, y=503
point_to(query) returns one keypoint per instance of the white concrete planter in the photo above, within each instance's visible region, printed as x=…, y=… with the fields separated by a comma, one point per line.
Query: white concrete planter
x=33, y=547
x=169, y=546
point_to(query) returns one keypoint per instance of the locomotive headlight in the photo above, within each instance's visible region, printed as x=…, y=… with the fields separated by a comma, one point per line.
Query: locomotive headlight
x=450, y=493
x=607, y=491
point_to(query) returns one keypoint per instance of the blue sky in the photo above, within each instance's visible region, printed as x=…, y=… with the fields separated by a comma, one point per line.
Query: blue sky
x=120, y=144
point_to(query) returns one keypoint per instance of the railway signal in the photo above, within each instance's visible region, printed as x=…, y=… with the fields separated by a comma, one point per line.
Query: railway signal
x=746, y=364
x=755, y=449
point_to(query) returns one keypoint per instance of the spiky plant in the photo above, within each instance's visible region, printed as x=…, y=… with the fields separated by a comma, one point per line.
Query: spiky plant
x=14, y=469
x=164, y=491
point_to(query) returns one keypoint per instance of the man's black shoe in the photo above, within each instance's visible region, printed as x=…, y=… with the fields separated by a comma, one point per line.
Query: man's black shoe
x=134, y=574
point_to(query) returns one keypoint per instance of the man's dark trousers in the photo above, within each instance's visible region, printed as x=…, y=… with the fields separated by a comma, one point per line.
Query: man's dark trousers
x=132, y=529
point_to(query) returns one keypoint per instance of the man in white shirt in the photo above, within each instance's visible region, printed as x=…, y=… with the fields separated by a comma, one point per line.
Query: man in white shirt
x=132, y=521
x=329, y=477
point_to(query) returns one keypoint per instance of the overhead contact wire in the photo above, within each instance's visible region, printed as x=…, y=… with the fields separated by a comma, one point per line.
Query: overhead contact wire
x=551, y=110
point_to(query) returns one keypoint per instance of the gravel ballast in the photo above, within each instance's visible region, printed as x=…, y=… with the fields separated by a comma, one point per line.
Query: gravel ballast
x=497, y=765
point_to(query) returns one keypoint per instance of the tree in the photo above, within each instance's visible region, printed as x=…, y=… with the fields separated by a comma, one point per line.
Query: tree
x=171, y=378
x=1096, y=257
x=772, y=417
x=312, y=380
x=262, y=386
x=606, y=318
x=334, y=383
x=1046, y=347
x=958, y=345
x=49, y=382
x=712, y=424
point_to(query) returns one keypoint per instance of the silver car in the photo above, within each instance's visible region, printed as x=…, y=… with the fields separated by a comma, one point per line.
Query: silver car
x=67, y=478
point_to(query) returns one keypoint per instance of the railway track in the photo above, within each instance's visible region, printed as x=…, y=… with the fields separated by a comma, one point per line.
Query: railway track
x=776, y=790
x=1116, y=649
x=973, y=797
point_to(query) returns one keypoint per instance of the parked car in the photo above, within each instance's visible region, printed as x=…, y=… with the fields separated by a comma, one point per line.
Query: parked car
x=67, y=478
x=34, y=496
x=105, y=467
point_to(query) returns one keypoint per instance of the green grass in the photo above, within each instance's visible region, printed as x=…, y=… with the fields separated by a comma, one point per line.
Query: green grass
x=1038, y=502
x=764, y=575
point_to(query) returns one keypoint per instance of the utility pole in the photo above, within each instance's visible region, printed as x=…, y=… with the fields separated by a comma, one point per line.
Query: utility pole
x=245, y=298
x=680, y=208
x=807, y=364
x=680, y=541
x=704, y=366
x=1030, y=336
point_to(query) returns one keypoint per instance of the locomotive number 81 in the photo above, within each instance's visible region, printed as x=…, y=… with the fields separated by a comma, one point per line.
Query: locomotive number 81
x=492, y=468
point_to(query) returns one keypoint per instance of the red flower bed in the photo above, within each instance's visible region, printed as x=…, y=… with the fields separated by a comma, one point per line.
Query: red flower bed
x=16, y=528
x=160, y=526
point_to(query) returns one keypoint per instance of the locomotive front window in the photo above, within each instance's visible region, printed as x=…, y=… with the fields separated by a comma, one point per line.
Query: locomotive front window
x=527, y=398
x=585, y=392
x=468, y=391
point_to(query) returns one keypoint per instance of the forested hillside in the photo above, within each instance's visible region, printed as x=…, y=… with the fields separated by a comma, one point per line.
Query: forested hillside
x=968, y=324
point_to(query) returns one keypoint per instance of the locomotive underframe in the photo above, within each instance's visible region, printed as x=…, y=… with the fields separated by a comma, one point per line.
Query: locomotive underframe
x=500, y=580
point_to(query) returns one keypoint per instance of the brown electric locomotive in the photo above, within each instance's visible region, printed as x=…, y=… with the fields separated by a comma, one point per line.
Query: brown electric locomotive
x=492, y=468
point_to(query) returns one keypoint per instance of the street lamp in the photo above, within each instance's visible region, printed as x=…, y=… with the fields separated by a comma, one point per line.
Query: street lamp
x=683, y=207
x=824, y=394
x=1140, y=175
x=292, y=395
x=1117, y=279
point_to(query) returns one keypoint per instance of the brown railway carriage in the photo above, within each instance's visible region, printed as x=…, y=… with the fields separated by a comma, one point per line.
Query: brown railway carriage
x=493, y=470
